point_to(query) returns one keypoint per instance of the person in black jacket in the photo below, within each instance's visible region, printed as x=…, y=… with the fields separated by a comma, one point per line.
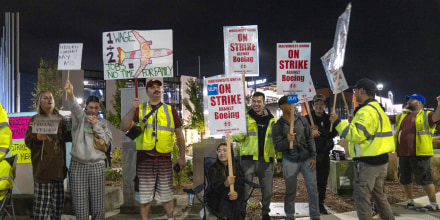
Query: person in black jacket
x=223, y=203
x=324, y=144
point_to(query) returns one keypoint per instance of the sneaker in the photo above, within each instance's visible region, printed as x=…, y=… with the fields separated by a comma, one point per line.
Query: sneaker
x=266, y=217
x=411, y=206
x=431, y=207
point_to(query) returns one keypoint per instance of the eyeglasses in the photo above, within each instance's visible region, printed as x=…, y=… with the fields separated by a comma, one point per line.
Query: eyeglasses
x=219, y=152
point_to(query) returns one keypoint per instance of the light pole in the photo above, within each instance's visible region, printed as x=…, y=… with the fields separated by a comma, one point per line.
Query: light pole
x=380, y=87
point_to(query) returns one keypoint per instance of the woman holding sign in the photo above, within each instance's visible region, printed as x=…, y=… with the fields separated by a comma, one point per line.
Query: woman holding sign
x=87, y=169
x=48, y=152
x=223, y=203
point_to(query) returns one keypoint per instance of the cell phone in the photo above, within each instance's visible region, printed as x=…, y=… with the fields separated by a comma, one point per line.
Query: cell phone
x=176, y=167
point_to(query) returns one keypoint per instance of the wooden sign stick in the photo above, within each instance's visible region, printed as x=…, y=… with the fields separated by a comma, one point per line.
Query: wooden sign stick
x=336, y=96
x=310, y=113
x=230, y=168
x=68, y=77
x=292, y=122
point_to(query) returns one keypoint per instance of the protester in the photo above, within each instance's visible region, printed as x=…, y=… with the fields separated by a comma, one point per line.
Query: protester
x=324, y=144
x=87, y=167
x=6, y=172
x=48, y=153
x=257, y=151
x=302, y=158
x=154, y=146
x=414, y=129
x=223, y=203
x=5, y=134
x=370, y=140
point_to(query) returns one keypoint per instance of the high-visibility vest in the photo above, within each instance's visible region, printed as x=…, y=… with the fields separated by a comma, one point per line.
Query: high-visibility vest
x=158, y=132
x=249, y=142
x=369, y=133
x=5, y=134
x=6, y=178
x=423, y=132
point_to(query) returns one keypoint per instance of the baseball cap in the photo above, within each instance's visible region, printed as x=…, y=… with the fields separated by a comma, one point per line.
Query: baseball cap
x=319, y=97
x=282, y=100
x=417, y=96
x=152, y=81
x=366, y=84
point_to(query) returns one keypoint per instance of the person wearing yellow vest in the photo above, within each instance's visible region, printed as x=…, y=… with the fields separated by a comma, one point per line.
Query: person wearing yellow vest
x=414, y=129
x=257, y=151
x=370, y=140
x=6, y=174
x=5, y=134
x=154, y=174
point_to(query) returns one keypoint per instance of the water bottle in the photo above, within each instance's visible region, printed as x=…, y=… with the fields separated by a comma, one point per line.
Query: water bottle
x=337, y=157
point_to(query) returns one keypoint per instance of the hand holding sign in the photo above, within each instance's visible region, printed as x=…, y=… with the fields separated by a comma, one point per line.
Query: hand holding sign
x=69, y=89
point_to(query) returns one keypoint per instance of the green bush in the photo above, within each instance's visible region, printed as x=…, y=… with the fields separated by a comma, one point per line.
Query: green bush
x=117, y=157
x=113, y=175
x=185, y=175
x=435, y=166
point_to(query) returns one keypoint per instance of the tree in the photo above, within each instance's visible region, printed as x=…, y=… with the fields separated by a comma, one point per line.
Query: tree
x=195, y=105
x=48, y=81
x=115, y=118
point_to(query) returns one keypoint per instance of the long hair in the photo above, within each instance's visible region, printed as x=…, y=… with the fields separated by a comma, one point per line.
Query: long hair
x=38, y=103
x=221, y=166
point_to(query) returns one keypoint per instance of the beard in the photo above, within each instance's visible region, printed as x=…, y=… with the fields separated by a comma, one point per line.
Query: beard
x=410, y=107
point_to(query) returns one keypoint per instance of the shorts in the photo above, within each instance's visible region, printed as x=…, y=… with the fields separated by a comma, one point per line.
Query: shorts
x=417, y=167
x=154, y=179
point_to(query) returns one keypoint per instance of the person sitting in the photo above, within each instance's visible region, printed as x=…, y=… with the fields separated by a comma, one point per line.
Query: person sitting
x=221, y=201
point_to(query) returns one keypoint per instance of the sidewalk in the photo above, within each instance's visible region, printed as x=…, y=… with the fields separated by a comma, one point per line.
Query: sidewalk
x=399, y=210
x=184, y=212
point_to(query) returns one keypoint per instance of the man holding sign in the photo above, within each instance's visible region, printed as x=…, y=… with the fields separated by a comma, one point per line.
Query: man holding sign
x=302, y=158
x=370, y=140
x=257, y=151
x=154, y=176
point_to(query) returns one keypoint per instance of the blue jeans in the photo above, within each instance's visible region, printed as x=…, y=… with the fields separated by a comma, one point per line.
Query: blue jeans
x=290, y=174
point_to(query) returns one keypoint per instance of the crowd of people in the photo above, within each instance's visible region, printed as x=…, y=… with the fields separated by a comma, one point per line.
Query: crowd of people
x=269, y=145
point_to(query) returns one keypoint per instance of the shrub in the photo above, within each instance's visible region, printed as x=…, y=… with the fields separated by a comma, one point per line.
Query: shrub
x=117, y=157
x=392, y=167
x=435, y=166
x=113, y=175
x=185, y=175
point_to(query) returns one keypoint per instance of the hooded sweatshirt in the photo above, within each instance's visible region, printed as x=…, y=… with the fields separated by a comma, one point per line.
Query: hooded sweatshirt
x=83, y=150
x=303, y=144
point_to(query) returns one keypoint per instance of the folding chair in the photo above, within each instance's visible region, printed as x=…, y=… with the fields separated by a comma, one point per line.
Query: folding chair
x=7, y=204
x=207, y=162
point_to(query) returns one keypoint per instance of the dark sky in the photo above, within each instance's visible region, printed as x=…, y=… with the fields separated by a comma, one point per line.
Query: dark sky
x=393, y=42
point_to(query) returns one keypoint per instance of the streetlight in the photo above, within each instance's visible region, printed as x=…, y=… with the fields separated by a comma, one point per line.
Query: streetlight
x=380, y=87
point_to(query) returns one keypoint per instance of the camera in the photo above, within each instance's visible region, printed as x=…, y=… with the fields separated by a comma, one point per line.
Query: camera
x=134, y=132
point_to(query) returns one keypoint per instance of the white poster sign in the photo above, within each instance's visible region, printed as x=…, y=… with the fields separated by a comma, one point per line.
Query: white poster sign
x=293, y=70
x=69, y=56
x=340, y=40
x=137, y=54
x=332, y=75
x=226, y=105
x=45, y=126
x=241, y=50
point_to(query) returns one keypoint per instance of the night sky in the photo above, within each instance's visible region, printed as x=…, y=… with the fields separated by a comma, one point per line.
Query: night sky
x=393, y=42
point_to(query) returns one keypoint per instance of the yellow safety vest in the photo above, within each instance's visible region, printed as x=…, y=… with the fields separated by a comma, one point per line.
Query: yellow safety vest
x=369, y=134
x=249, y=142
x=158, y=132
x=423, y=132
x=6, y=178
x=5, y=133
